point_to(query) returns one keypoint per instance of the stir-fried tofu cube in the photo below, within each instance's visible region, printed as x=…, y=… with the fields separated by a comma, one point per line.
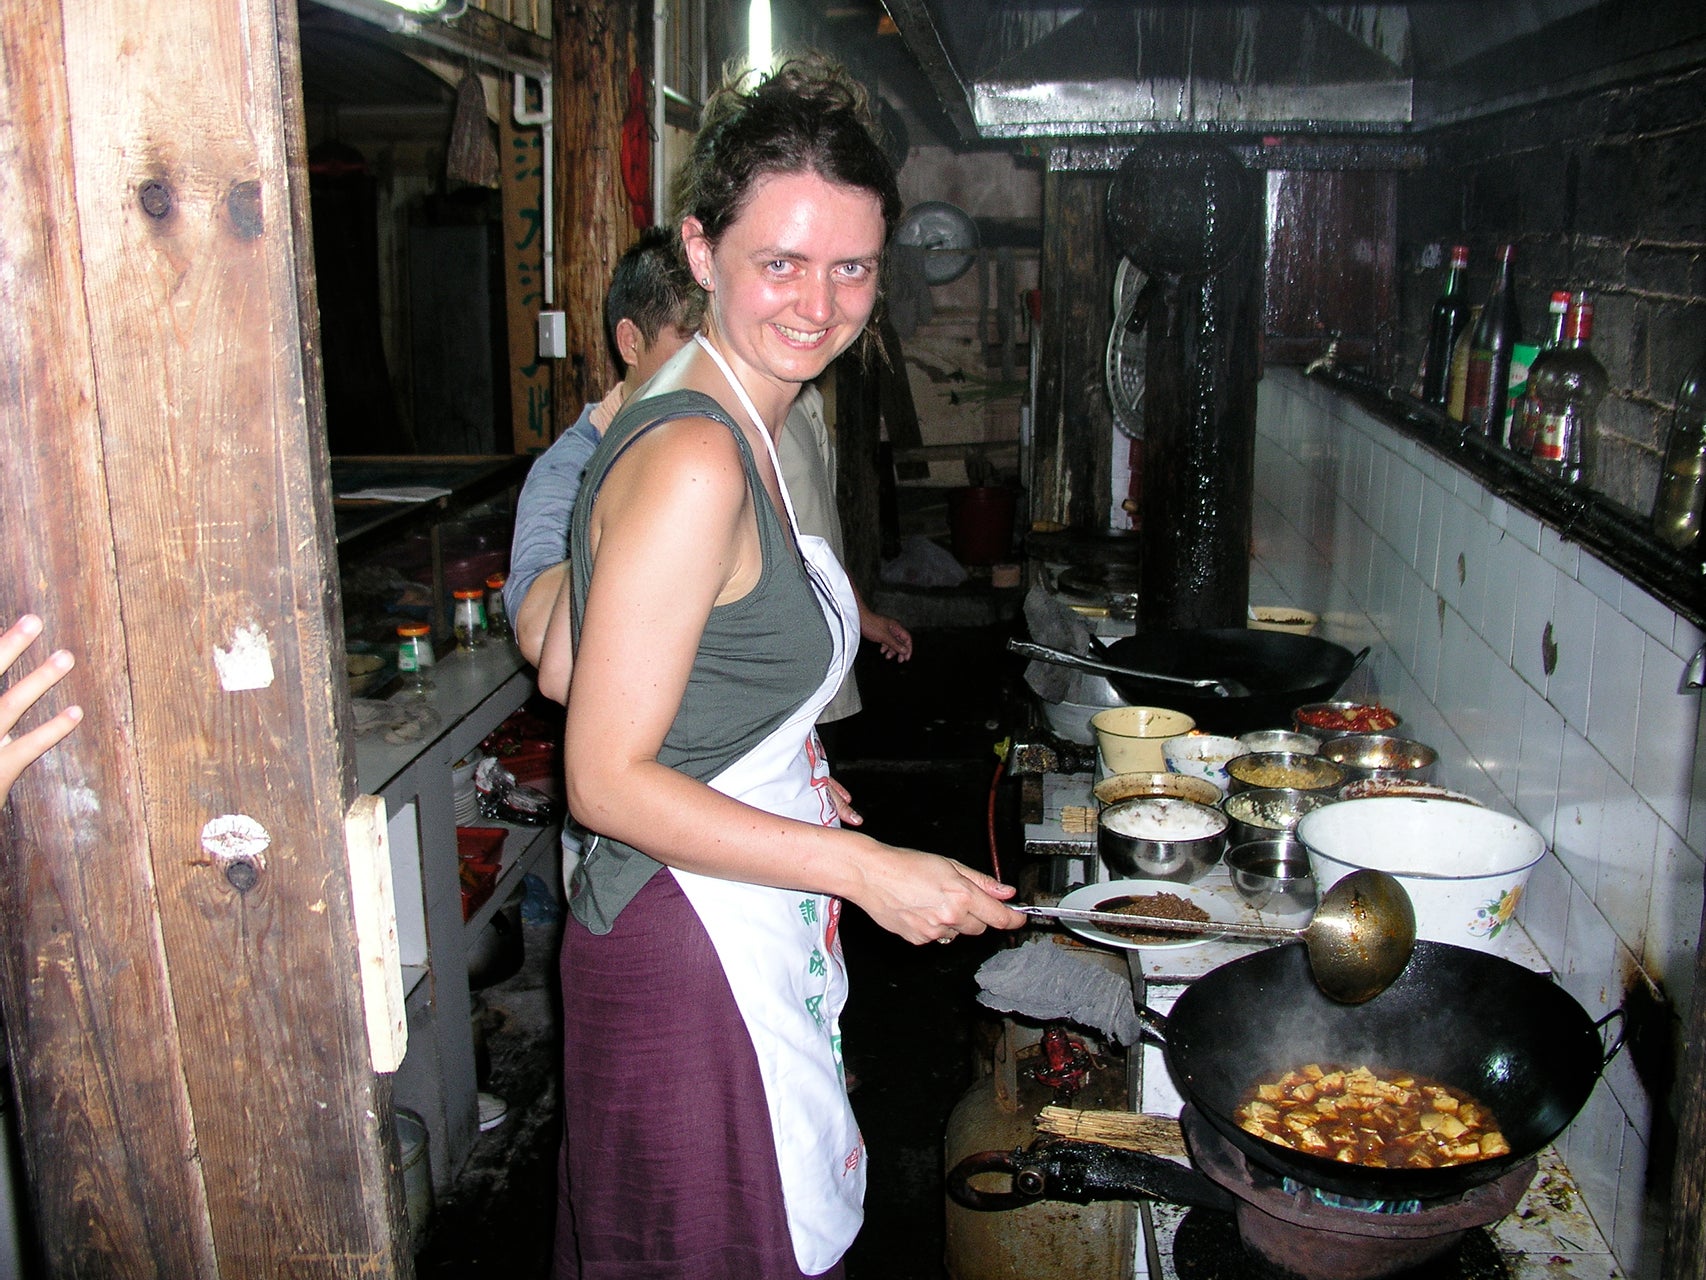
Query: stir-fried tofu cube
x=1270, y=1092
x=1452, y=1127
x=1430, y=1120
x=1312, y=1071
x=1494, y=1144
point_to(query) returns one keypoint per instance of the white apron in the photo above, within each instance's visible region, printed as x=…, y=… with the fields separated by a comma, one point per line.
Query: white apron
x=781, y=949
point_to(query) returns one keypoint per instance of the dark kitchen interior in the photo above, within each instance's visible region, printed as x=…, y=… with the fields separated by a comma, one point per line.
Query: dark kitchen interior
x=1159, y=318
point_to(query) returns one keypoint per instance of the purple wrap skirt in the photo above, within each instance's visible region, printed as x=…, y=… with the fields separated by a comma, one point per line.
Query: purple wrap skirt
x=668, y=1169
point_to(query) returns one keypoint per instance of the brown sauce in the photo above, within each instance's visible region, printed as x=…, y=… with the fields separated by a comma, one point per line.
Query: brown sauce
x=1399, y=1121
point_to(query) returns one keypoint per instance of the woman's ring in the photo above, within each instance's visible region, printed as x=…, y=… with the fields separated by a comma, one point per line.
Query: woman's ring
x=945, y=941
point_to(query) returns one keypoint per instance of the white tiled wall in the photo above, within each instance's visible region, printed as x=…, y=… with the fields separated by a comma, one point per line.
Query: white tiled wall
x=1550, y=687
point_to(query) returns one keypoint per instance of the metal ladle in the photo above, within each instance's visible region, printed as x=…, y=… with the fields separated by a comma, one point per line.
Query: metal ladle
x=1220, y=688
x=1359, y=938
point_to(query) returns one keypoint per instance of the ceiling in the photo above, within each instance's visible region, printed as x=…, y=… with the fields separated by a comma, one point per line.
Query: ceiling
x=1011, y=69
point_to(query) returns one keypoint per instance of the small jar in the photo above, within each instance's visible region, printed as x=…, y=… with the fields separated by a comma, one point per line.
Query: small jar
x=415, y=656
x=497, y=617
x=470, y=620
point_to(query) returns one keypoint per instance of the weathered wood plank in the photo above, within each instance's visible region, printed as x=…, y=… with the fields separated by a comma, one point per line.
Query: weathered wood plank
x=174, y=494
x=522, y=152
x=597, y=45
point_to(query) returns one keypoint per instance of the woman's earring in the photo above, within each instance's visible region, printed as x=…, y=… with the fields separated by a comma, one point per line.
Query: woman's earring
x=705, y=283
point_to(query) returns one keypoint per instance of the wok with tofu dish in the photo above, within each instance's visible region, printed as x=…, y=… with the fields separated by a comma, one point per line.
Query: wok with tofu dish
x=1460, y=1038
x=1358, y=1117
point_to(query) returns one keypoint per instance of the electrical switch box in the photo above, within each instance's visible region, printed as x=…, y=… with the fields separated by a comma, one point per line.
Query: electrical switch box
x=553, y=336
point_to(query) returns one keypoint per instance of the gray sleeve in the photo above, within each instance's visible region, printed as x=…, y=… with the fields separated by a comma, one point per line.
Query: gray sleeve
x=542, y=512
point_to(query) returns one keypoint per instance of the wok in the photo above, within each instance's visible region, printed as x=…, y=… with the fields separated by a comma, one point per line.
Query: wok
x=1508, y=1036
x=1281, y=671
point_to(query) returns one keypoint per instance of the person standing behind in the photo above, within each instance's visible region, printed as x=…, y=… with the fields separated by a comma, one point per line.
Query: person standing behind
x=651, y=309
x=807, y=457
x=707, y=1133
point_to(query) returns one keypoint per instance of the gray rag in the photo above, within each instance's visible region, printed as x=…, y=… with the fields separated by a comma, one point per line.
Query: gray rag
x=1048, y=983
x=1054, y=626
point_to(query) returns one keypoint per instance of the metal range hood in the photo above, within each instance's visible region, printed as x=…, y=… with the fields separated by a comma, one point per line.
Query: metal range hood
x=1027, y=69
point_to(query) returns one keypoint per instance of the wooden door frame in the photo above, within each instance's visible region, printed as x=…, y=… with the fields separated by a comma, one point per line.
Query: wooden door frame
x=178, y=960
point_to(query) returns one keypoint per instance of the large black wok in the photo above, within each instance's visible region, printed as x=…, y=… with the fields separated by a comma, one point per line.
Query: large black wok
x=1282, y=672
x=1508, y=1036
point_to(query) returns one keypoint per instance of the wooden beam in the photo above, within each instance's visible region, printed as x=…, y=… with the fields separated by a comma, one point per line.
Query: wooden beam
x=178, y=964
x=597, y=46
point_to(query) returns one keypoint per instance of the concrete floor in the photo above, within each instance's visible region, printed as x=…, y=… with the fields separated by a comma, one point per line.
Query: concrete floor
x=919, y=761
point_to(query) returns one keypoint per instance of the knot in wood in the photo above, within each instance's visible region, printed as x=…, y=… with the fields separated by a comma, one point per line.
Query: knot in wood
x=155, y=197
x=243, y=874
x=243, y=204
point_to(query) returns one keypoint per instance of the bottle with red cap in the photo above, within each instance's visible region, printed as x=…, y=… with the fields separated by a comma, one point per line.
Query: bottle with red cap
x=1564, y=400
x=1450, y=314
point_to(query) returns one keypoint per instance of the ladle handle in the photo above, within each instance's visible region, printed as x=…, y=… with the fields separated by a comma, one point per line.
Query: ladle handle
x=1162, y=924
x=1061, y=658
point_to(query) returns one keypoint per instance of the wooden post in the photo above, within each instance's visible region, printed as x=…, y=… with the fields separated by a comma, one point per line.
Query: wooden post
x=596, y=48
x=522, y=151
x=1071, y=478
x=178, y=959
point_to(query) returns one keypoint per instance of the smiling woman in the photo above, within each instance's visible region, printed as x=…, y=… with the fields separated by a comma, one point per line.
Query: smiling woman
x=707, y=1131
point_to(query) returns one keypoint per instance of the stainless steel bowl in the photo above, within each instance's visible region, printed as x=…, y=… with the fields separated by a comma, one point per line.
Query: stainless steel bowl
x=1291, y=770
x=1273, y=876
x=1338, y=707
x=1268, y=813
x=1161, y=838
x=1381, y=757
x=1123, y=786
x=1280, y=740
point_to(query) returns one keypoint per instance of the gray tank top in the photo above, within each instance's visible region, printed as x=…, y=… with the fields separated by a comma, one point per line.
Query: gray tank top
x=759, y=659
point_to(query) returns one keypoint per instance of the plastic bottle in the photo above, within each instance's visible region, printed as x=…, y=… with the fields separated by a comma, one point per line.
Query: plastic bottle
x=1564, y=400
x=1450, y=315
x=1522, y=420
x=415, y=656
x=497, y=617
x=470, y=619
x=1495, y=333
x=1681, y=506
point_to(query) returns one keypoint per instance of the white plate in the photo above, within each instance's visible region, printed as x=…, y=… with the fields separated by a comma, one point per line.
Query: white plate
x=1089, y=897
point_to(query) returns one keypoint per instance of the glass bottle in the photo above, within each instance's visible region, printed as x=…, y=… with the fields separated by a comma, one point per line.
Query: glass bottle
x=1457, y=381
x=415, y=656
x=1522, y=421
x=1564, y=400
x=469, y=621
x=1450, y=314
x=1496, y=332
x=497, y=617
x=1681, y=505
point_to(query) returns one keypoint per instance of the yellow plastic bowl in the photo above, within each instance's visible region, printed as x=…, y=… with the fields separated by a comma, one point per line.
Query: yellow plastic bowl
x=1130, y=738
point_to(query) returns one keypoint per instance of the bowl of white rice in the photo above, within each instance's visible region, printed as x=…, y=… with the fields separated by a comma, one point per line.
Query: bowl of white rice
x=1160, y=838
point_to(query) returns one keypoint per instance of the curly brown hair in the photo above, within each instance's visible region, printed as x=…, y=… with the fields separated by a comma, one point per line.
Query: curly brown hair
x=807, y=116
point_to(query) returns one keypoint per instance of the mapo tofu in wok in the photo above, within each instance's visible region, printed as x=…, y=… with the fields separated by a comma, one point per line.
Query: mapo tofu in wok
x=1357, y=1117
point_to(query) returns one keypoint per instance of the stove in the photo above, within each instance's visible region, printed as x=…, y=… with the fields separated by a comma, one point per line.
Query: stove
x=1546, y=1231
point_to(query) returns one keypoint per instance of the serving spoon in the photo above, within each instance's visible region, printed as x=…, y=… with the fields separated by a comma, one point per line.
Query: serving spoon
x=1359, y=938
x=1220, y=688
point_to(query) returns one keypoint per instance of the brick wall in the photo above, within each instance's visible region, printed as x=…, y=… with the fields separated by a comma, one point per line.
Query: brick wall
x=1604, y=191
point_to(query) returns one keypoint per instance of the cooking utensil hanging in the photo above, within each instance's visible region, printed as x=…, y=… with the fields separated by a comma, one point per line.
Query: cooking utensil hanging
x=1220, y=688
x=1181, y=206
x=1124, y=363
x=1358, y=940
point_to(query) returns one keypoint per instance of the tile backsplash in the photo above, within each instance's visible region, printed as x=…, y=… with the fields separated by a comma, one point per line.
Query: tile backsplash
x=1549, y=685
